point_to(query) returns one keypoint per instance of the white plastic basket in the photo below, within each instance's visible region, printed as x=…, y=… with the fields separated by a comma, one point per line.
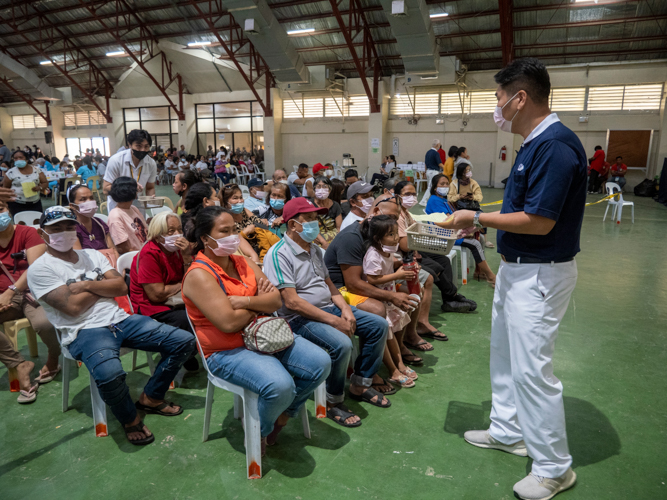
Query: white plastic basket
x=431, y=238
x=150, y=202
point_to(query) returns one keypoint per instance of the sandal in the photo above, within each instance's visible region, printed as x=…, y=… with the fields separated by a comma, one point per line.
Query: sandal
x=273, y=437
x=343, y=413
x=433, y=334
x=410, y=373
x=387, y=392
x=368, y=395
x=157, y=410
x=29, y=396
x=139, y=428
x=45, y=378
x=411, y=359
x=417, y=346
x=404, y=381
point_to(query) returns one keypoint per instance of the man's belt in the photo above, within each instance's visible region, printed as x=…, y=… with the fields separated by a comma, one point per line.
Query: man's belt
x=532, y=260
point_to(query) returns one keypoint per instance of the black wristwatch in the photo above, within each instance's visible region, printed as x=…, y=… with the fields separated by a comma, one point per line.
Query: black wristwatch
x=475, y=220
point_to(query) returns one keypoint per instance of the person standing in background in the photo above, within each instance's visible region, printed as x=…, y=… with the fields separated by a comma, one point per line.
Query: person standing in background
x=448, y=168
x=434, y=166
x=597, y=166
x=5, y=153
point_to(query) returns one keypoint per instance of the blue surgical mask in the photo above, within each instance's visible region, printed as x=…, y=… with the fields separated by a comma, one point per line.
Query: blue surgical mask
x=442, y=191
x=278, y=204
x=94, y=164
x=20, y=163
x=5, y=220
x=4, y=169
x=237, y=209
x=310, y=230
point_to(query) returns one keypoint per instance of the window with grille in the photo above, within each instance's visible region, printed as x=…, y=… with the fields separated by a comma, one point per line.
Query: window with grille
x=84, y=118
x=28, y=121
x=358, y=106
x=640, y=97
x=482, y=101
x=303, y=108
x=427, y=104
x=570, y=99
x=330, y=107
x=605, y=98
x=450, y=103
x=402, y=105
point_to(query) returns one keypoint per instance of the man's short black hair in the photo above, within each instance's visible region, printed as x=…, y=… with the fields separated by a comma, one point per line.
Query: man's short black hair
x=302, y=166
x=123, y=189
x=1, y=143
x=619, y=157
x=527, y=74
x=138, y=135
x=351, y=173
x=597, y=148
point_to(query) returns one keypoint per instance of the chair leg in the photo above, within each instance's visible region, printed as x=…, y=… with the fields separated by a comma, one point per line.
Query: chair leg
x=253, y=436
x=207, y=411
x=150, y=361
x=134, y=360
x=238, y=407
x=14, y=385
x=11, y=334
x=464, y=266
x=304, y=421
x=320, y=397
x=633, y=213
x=99, y=410
x=31, y=335
x=66, y=364
x=605, y=213
x=620, y=211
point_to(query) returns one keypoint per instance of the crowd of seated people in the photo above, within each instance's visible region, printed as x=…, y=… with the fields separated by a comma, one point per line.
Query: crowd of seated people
x=212, y=266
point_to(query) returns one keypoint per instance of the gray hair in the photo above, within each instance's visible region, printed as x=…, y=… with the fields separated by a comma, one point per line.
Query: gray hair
x=436, y=143
x=159, y=225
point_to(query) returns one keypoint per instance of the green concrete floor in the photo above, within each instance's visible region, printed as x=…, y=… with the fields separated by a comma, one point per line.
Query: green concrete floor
x=610, y=356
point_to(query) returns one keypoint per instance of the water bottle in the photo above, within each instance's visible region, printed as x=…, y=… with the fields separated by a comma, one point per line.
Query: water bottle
x=409, y=264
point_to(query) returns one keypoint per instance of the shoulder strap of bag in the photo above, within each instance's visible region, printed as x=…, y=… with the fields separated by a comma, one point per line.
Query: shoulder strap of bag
x=214, y=274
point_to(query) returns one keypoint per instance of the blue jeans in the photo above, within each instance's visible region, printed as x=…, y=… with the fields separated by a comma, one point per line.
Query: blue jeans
x=99, y=350
x=372, y=332
x=224, y=177
x=619, y=180
x=283, y=381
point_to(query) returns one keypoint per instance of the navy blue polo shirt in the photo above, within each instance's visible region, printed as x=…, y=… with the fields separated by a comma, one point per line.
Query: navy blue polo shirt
x=548, y=178
x=432, y=160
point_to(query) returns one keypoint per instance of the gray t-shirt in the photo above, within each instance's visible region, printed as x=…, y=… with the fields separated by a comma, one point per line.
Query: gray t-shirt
x=48, y=273
x=287, y=265
x=5, y=154
x=347, y=248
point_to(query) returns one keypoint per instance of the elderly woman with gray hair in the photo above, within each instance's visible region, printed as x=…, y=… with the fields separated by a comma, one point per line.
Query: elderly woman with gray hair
x=156, y=274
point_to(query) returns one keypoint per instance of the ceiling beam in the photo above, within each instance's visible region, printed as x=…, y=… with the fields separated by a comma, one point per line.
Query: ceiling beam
x=29, y=101
x=506, y=31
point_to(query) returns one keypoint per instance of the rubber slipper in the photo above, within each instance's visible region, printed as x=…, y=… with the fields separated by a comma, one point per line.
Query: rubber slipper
x=417, y=346
x=368, y=395
x=45, y=378
x=388, y=392
x=412, y=360
x=157, y=410
x=404, y=381
x=139, y=428
x=29, y=396
x=410, y=373
x=343, y=412
x=433, y=335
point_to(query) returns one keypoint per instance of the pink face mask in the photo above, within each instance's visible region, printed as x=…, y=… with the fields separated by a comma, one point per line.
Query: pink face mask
x=504, y=125
x=409, y=201
x=87, y=208
x=366, y=204
x=226, y=246
x=62, y=242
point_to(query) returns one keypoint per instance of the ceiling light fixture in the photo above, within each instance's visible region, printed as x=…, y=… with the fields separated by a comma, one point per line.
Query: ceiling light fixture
x=117, y=53
x=198, y=44
x=46, y=63
x=585, y=1
x=301, y=32
x=442, y=14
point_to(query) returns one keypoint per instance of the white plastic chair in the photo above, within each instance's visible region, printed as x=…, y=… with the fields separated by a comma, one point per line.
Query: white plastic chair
x=103, y=217
x=613, y=188
x=245, y=405
x=244, y=191
x=124, y=262
x=462, y=255
x=155, y=211
x=28, y=217
x=241, y=178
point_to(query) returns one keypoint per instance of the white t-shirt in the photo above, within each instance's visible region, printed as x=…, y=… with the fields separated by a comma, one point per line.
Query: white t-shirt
x=48, y=273
x=202, y=165
x=304, y=191
x=120, y=165
x=169, y=165
x=349, y=219
x=220, y=155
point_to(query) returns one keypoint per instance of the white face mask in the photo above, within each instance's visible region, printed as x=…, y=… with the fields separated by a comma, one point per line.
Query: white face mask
x=390, y=249
x=442, y=191
x=328, y=173
x=283, y=181
x=504, y=125
x=321, y=193
x=170, y=242
x=260, y=195
x=226, y=246
x=366, y=204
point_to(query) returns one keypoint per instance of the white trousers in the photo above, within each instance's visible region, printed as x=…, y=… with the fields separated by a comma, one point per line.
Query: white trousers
x=528, y=305
x=430, y=173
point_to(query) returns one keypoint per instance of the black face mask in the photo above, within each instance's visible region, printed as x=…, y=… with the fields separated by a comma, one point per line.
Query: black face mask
x=139, y=155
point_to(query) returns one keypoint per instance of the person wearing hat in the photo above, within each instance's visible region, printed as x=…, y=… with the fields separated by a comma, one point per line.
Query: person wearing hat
x=316, y=311
x=255, y=202
x=361, y=199
x=77, y=289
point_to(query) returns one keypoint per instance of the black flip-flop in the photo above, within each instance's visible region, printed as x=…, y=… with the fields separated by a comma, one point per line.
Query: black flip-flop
x=139, y=428
x=388, y=392
x=432, y=335
x=368, y=395
x=412, y=362
x=416, y=347
x=157, y=410
x=343, y=412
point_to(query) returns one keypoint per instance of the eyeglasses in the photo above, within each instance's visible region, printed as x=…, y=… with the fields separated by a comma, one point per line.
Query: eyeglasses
x=57, y=214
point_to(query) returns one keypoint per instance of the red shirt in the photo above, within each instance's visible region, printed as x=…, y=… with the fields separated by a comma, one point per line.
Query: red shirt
x=24, y=237
x=155, y=266
x=619, y=170
x=598, y=161
x=443, y=155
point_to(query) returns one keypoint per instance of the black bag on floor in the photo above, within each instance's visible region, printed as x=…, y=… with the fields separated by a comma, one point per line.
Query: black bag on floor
x=662, y=191
x=646, y=188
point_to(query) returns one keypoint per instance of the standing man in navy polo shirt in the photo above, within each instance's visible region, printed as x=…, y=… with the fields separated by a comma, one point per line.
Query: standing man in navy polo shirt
x=538, y=237
x=434, y=166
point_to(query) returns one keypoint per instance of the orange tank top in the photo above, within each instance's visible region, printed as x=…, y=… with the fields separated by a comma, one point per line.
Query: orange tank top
x=211, y=339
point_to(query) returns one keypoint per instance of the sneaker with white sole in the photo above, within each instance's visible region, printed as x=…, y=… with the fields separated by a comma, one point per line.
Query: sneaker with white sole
x=482, y=439
x=534, y=487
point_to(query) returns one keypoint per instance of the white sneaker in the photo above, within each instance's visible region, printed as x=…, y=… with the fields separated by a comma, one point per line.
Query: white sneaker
x=534, y=487
x=482, y=439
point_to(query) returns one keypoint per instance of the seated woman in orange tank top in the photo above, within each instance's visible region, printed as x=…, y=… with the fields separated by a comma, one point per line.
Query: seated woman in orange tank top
x=283, y=380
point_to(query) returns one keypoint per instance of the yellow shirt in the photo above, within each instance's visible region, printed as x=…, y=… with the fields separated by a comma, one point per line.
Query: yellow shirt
x=448, y=168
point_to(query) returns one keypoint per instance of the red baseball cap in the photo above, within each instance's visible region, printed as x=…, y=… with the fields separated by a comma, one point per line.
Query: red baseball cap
x=300, y=205
x=317, y=167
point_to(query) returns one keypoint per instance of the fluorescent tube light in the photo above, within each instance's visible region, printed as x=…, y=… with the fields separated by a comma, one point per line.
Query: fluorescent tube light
x=435, y=16
x=301, y=32
x=198, y=44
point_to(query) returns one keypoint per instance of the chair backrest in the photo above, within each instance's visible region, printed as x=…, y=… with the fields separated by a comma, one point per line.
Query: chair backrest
x=201, y=352
x=29, y=217
x=613, y=188
x=125, y=261
x=103, y=207
x=155, y=211
x=244, y=191
x=102, y=217
x=167, y=201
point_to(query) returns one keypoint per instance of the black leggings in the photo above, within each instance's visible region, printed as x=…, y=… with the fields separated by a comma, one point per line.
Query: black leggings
x=440, y=268
x=476, y=248
x=174, y=317
x=15, y=207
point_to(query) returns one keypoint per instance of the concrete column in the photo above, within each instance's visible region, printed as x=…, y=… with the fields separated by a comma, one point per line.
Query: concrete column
x=6, y=128
x=378, y=143
x=59, y=146
x=655, y=167
x=273, y=140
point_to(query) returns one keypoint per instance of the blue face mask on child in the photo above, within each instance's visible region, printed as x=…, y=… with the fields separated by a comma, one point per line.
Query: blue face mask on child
x=237, y=209
x=277, y=204
x=5, y=220
x=310, y=230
